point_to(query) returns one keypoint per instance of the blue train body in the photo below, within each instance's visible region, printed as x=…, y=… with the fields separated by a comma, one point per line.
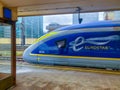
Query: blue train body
x=91, y=45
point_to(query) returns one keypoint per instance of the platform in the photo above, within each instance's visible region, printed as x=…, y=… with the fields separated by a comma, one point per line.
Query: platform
x=32, y=77
x=52, y=79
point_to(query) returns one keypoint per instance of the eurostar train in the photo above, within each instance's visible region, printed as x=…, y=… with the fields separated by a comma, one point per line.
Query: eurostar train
x=87, y=45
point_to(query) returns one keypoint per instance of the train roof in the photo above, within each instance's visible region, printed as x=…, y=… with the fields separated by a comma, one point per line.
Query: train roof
x=91, y=25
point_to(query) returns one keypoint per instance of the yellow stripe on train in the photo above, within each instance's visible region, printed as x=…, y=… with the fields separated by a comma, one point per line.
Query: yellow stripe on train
x=83, y=57
x=45, y=36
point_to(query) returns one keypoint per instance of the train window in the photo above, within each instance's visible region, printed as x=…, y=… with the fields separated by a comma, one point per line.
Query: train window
x=61, y=43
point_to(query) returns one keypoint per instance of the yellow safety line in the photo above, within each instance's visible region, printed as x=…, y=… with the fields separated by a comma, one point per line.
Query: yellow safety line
x=68, y=68
x=92, y=70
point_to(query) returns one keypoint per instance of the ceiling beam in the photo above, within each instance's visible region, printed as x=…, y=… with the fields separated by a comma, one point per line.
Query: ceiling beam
x=69, y=7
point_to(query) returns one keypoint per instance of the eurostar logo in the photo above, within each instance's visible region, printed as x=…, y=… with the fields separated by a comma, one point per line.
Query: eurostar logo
x=78, y=43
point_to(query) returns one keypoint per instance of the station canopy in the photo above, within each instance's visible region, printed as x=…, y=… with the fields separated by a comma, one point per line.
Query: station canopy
x=45, y=7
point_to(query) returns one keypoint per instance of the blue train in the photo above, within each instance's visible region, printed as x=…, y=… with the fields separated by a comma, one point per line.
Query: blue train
x=94, y=44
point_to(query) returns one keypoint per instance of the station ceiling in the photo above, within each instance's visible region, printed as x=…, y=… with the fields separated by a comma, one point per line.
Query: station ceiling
x=45, y=7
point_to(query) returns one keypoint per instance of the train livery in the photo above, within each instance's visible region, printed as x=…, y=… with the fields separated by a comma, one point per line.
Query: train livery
x=95, y=44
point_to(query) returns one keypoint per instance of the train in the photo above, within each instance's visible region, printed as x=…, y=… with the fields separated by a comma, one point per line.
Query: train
x=94, y=45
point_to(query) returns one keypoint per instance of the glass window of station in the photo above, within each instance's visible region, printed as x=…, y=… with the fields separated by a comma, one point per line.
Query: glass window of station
x=5, y=48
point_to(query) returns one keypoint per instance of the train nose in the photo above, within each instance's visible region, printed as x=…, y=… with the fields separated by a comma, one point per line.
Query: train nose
x=27, y=55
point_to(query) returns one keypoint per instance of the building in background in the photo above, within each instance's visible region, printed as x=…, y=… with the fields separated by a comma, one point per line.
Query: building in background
x=1, y=32
x=87, y=17
x=117, y=15
x=97, y=16
x=31, y=26
x=5, y=32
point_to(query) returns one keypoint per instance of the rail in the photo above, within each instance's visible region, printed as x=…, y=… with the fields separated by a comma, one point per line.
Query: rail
x=8, y=58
